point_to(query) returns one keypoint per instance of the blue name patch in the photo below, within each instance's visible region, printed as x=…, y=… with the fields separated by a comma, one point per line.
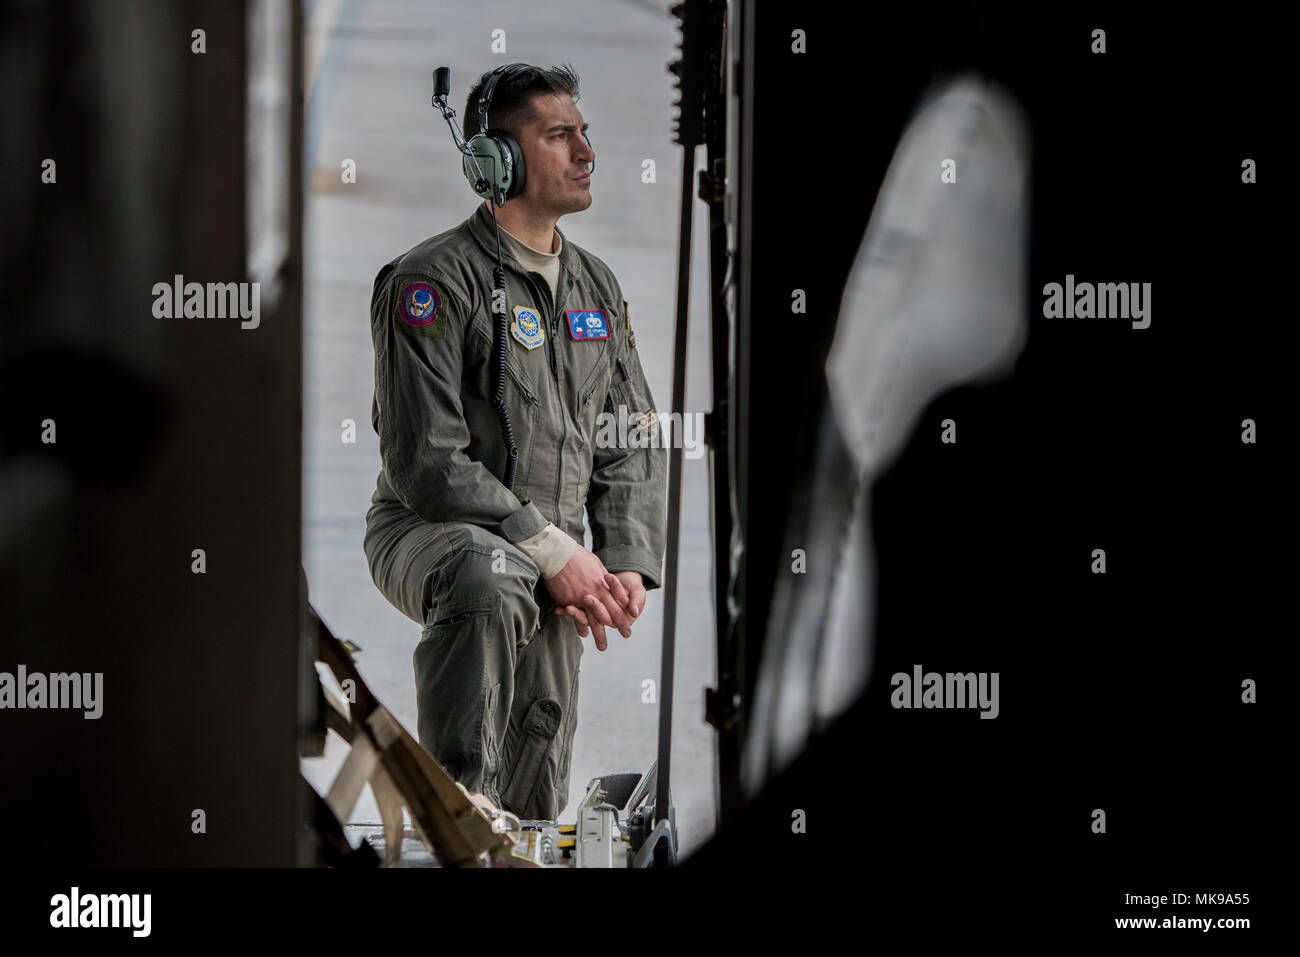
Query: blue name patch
x=587, y=324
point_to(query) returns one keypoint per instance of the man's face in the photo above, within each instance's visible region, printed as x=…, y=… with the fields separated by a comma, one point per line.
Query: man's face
x=556, y=156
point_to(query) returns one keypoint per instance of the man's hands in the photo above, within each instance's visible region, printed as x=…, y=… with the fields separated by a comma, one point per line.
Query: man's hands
x=594, y=597
x=631, y=582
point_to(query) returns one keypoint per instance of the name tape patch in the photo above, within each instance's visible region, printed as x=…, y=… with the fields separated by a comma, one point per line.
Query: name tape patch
x=587, y=324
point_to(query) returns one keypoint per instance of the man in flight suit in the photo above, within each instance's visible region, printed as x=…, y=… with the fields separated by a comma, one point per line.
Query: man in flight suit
x=498, y=578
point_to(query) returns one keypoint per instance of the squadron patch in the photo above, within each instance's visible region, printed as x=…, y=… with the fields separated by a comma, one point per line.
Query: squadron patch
x=627, y=321
x=527, y=327
x=587, y=324
x=418, y=305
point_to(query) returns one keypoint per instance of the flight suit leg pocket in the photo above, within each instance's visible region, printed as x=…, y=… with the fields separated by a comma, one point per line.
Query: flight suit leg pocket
x=457, y=667
x=457, y=611
x=539, y=727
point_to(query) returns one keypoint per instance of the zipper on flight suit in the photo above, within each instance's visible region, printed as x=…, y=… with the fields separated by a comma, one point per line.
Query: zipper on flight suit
x=543, y=291
x=564, y=414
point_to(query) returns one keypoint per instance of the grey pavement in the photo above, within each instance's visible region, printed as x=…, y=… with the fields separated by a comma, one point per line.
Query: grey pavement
x=369, y=74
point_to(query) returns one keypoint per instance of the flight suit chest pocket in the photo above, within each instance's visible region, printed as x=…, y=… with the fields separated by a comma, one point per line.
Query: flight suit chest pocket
x=515, y=364
x=587, y=336
x=594, y=385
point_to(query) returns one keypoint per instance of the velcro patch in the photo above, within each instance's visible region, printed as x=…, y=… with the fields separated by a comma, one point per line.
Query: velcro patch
x=419, y=305
x=527, y=327
x=587, y=324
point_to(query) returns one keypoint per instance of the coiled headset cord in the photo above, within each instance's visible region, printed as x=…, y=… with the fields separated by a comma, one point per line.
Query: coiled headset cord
x=499, y=363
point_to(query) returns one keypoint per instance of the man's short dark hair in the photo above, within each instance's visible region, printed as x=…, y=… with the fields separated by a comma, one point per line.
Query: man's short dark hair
x=512, y=107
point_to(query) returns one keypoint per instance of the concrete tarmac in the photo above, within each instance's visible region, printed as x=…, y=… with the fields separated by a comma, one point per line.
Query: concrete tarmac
x=369, y=75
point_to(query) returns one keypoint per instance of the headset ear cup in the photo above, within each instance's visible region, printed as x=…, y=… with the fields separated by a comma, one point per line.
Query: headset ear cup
x=483, y=148
x=499, y=159
x=519, y=176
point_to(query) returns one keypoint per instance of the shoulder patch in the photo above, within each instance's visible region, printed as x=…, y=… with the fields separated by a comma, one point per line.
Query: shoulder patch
x=627, y=321
x=421, y=307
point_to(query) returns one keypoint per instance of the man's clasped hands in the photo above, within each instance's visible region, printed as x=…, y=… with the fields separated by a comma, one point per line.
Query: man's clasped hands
x=595, y=597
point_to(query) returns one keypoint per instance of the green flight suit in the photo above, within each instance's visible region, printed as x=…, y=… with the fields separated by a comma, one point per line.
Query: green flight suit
x=496, y=673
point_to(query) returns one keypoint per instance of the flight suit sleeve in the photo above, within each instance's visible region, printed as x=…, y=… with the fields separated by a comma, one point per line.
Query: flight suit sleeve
x=419, y=331
x=627, y=496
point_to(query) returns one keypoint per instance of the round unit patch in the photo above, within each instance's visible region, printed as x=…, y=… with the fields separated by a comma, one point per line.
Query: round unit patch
x=419, y=304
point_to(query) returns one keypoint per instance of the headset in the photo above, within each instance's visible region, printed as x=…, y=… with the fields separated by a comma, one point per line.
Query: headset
x=493, y=165
x=492, y=160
